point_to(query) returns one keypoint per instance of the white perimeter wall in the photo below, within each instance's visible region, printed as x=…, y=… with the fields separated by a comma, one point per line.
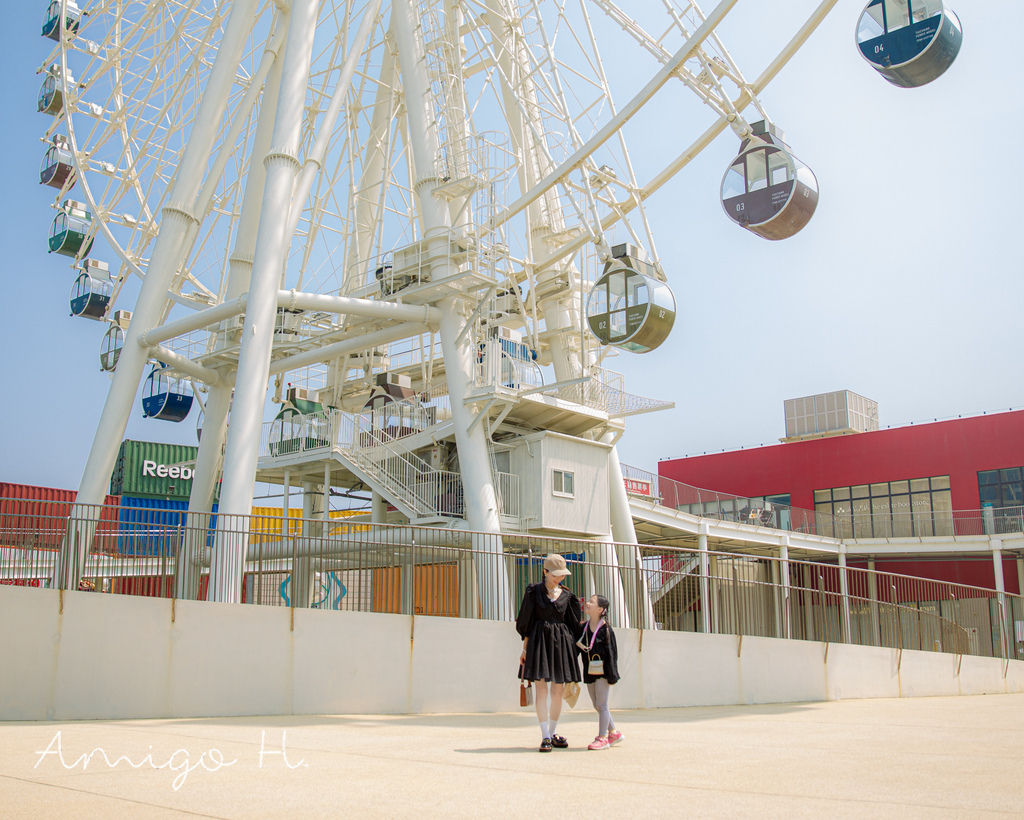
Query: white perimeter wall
x=112, y=656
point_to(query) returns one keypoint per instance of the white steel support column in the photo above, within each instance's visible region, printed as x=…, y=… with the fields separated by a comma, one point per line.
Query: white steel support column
x=876, y=634
x=168, y=252
x=634, y=585
x=787, y=628
x=407, y=577
x=368, y=207
x=218, y=405
x=258, y=331
x=478, y=488
x=844, y=588
x=204, y=488
x=713, y=589
x=1018, y=616
x=775, y=578
x=378, y=508
x=808, y=596
x=606, y=580
x=1005, y=635
x=705, y=587
x=314, y=160
x=286, y=503
x=301, y=587
x=469, y=595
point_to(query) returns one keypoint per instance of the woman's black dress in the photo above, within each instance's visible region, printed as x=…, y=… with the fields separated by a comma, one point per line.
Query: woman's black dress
x=553, y=627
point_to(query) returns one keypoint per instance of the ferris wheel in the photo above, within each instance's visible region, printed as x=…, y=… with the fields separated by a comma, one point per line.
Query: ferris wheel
x=356, y=196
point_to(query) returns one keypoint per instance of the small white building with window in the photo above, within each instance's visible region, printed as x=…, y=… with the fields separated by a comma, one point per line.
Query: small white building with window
x=563, y=484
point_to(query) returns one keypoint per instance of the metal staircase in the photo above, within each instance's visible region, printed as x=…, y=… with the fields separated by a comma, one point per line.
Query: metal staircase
x=383, y=458
x=378, y=447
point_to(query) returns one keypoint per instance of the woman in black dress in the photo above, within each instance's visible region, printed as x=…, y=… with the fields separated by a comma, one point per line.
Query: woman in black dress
x=549, y=622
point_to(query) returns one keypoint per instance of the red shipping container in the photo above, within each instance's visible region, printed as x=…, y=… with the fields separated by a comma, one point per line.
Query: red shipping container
x=36, y=518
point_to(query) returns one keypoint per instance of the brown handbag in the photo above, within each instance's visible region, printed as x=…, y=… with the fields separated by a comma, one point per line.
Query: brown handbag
x=525, y=693
x=525, y=690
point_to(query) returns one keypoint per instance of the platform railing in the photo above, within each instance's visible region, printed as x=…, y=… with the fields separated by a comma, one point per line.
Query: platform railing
x=761, y=512
x=351, y=564
x=756, y=512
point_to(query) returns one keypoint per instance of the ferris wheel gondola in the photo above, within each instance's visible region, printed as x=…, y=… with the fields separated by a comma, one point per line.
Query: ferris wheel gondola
x=630, y=307
x=767, y=190
x=166, y=396
x=57, y=22
x=57, y=170
x=92, y=290
x=71, y=230
x=909, y=42
x=110, y=348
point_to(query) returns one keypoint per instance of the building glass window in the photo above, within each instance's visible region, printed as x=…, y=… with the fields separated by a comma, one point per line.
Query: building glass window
x=766, y=511
x=562, y=483
x=1002, y=488
x=1002, y=499
x=888, y=509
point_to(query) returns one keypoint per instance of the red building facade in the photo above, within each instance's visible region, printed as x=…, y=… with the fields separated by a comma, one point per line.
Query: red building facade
x=936, y=469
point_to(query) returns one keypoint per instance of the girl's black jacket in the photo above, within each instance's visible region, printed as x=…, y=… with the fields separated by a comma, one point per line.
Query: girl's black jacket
x=605, y=649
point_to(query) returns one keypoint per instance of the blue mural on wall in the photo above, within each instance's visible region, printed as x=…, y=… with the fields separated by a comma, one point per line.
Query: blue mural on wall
x=328, y=591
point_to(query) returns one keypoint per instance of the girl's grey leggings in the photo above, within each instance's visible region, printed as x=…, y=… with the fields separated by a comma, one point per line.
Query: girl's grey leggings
x=599, y=690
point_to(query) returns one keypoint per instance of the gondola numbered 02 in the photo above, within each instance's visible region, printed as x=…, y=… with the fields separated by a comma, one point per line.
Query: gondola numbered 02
x=630, y=306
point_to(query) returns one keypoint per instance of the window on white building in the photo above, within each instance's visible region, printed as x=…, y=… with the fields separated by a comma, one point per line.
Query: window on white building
x=562, y=483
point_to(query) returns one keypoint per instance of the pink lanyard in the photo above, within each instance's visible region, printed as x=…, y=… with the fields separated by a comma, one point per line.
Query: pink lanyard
x=593, y=636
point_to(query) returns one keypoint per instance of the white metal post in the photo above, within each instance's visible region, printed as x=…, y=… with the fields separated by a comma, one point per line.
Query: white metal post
x=873, y=597
x=787, y=629
x=286, y=503
x=204, y=488
x=606, y=580
x=1018, y=639
x=844, y=588
x=634, y=585
x=258, y=330
x=211, y=448
x=705, y=587
x=378, y=508
x=713, y=588
x=480, y=499
x=302, y=573
x=1005, y=634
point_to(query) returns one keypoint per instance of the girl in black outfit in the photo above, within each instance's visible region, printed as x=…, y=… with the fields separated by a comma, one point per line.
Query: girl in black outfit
x=600, y=668
x=549, y=623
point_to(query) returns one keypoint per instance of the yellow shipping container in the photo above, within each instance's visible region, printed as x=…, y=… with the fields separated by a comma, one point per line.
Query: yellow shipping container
x=266, y=523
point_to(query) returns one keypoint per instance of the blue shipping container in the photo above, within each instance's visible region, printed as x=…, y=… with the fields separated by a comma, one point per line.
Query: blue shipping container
x=154, y=526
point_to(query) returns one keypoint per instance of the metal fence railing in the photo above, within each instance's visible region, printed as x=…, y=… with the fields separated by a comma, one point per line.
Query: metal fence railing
x=762, y=512
x=351, y=564
x=757, y=512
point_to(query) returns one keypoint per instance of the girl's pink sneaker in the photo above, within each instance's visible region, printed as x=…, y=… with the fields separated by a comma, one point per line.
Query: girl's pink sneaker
x=598, y=744
x=614, y=736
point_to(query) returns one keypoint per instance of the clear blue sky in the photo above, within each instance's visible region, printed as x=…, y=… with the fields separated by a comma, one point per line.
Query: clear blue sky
x=906, y=286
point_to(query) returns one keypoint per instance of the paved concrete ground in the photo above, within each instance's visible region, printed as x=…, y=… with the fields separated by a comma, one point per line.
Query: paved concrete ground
x=927, y=757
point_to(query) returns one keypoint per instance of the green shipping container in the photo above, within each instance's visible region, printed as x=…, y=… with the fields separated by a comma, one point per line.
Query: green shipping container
x=147, y=469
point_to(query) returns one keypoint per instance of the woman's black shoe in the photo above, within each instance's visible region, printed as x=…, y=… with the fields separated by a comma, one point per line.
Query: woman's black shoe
x=559, y=742
x=545, y=745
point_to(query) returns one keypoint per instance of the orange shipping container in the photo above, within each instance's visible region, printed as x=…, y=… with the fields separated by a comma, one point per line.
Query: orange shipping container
x=436, y=590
